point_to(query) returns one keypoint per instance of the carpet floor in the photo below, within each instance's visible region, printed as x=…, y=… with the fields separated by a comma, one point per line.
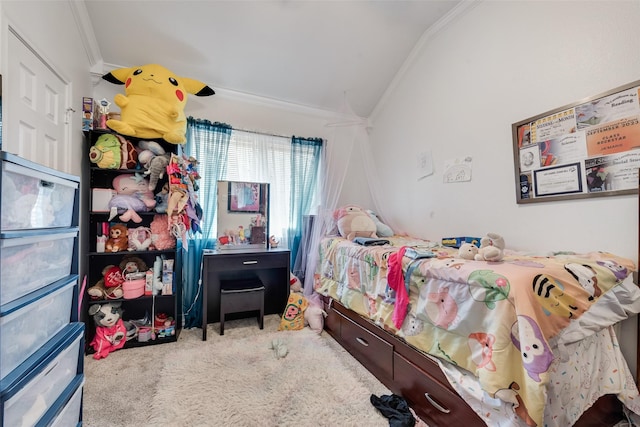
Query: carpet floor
x=232, y=380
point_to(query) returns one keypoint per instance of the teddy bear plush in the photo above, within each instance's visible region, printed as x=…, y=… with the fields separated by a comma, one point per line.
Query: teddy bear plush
x=153, y=103
x=118, y=238
x=353, y=221
x=130, y=265
x=111, y=276
x=132, y=196
x=491, y=248
x=467, y=251
x=111, y=332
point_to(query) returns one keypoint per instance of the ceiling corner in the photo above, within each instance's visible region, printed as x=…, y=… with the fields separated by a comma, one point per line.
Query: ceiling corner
x=85, y=28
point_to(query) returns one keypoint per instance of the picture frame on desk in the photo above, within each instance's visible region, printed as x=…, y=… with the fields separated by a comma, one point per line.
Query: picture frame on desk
x=244, y=197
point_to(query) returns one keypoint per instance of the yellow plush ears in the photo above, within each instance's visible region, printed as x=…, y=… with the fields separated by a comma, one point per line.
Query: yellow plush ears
x=153, y=104
x=293, y=316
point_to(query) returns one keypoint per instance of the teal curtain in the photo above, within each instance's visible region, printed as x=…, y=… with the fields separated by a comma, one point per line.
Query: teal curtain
x=209, y=143
x=305, y=162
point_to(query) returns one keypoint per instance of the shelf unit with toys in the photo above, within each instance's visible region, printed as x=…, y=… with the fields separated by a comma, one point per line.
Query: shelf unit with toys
x=132, y=258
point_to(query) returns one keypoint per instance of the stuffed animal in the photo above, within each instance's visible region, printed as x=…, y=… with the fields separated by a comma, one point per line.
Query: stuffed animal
x=314, y=314
x=111, y=276
x=468, y=251
x=113, y=152
x=154, y=159
x=161, y=237
x=132, y=267
x=132, y=196
x=382, y=229
x=293, y=316
x=118, y=239
x=491, y=248
x=105, y=152
x=153, y=104
x=139, y=238
x=111, y=332
x=295, y=285
x=354, y=222
x=162, y=199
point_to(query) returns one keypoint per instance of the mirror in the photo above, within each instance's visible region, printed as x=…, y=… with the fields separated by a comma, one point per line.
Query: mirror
x=243, y=215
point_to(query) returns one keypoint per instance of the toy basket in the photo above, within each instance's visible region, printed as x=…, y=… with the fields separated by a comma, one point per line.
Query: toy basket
x=133, y=288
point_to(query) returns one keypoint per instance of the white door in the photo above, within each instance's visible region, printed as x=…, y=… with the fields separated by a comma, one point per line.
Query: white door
x=35, y=97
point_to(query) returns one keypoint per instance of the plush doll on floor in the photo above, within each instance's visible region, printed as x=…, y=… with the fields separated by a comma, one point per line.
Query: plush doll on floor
x=111, y=332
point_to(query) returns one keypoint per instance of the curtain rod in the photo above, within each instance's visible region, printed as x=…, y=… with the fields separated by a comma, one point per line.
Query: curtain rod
x=262, y=133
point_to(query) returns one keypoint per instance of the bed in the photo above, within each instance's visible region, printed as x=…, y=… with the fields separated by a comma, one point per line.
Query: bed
x=526, y=341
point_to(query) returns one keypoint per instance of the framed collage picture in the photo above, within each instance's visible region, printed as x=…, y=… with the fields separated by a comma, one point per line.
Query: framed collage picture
x=586, y=149
x=244, y=197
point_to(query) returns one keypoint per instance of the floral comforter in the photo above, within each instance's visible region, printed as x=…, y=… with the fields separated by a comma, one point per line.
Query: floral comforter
x=501, y=321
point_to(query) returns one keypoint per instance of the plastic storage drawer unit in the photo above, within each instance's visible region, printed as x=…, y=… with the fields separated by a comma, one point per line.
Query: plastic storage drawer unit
x=70, y=413
x=29, y=322
x=38, y=391
x=34, y=196
x=29, y=263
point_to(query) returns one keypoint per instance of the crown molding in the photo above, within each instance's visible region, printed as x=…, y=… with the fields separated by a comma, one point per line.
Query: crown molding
x=87, y=35
x=461, y=8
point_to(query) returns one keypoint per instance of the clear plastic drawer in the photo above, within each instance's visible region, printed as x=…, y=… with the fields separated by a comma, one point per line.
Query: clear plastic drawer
x=28, y=405
x=35, y=198
x=29, y=323
x=29, y=263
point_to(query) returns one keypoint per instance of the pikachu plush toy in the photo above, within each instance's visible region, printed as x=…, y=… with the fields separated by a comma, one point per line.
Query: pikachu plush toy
x=153, y=104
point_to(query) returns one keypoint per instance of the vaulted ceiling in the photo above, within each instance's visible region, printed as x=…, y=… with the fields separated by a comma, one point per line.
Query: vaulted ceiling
x=307, y=53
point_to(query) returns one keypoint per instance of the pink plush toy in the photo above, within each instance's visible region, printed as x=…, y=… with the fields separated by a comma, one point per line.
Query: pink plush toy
x=161, y=237
x=133, y=195
x=354, y=222
x=111, y=332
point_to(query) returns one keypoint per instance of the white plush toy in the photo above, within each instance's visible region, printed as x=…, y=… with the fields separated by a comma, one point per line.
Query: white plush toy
x=382, y=229
x=491, y=248
x=468, y=251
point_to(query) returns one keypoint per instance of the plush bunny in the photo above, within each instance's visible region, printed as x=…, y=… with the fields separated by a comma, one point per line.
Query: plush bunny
x=468, y=251
x=491, y=248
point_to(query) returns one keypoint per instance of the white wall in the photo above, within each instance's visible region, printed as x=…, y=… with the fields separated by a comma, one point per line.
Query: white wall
x=50, y=28
x=499, y=63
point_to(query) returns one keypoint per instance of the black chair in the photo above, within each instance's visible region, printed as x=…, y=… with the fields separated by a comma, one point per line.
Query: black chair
x=238, y=296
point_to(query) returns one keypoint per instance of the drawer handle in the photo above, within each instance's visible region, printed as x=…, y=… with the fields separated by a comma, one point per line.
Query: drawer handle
x=362, y=341
x=249, y=262
x=436, y=405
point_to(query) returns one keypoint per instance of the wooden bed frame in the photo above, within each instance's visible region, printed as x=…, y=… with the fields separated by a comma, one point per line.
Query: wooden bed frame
x=409, y=373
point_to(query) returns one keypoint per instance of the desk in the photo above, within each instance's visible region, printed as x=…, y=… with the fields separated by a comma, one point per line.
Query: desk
x=271, y=266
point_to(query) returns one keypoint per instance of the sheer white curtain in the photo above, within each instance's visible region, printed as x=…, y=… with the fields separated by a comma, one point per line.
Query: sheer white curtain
x=264, y=158
x=349, y=140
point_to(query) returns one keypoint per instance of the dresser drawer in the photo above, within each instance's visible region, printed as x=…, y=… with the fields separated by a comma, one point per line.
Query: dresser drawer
x=373, y=352
x=433, y=401
x=44, y=384
x=31, y=262
x=35, y=197
x=29, y=322
x=250, y=261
